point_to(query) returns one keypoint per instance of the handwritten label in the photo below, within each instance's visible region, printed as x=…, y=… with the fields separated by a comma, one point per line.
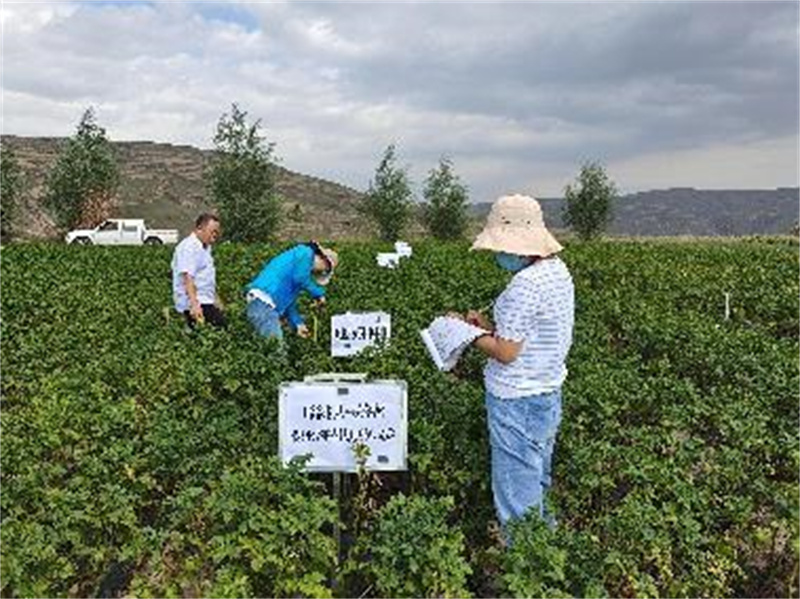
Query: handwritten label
x=325, y=420
x=352, y=332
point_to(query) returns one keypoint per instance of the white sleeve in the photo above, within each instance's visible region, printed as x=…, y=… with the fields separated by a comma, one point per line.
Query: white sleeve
x=515, y=311
x=187, y=260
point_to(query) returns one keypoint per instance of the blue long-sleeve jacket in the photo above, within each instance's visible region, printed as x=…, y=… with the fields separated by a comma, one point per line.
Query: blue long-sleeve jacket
x=284, y=277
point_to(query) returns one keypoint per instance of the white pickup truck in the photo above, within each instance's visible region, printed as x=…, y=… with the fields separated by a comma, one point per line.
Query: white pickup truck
x=122, y=231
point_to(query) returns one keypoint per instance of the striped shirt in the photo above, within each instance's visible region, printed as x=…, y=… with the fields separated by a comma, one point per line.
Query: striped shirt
x=537, y=308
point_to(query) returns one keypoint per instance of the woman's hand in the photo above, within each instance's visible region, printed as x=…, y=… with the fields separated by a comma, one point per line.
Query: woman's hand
x=196, y=310
x=478, y=319
x=302, y=331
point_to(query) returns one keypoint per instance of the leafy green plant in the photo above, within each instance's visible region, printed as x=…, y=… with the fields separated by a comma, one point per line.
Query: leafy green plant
x=257, y=530
x=534, y=565
x=140, y=460
x=415, y=552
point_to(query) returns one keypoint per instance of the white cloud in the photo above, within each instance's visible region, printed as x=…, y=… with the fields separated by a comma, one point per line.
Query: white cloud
x=752, y=165
x=321, y=35
x=517, y=94
x=32, y=18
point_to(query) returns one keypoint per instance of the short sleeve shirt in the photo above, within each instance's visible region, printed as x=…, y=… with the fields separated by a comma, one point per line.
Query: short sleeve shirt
x=538, y=309
x=194, y=259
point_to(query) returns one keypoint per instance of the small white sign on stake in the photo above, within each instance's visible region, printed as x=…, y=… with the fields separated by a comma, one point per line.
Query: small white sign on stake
x=353, y=332
x=402, y=249
x=388, y=259
x=326, y=418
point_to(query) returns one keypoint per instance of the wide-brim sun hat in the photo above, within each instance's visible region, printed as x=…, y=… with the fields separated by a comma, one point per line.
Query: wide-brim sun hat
x=333, y=258
x=516, y=226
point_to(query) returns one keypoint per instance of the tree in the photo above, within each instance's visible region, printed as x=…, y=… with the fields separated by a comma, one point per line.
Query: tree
x=388, y=201
x=589, y=202
x=445, y=210
x=10, y=187
x=241, y=180
x=82, y=184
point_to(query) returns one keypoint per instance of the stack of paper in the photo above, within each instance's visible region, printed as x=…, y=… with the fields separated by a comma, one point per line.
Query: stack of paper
x=446, y=339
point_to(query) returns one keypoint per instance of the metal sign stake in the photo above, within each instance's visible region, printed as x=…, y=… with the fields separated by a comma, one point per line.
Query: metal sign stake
x=337, y=526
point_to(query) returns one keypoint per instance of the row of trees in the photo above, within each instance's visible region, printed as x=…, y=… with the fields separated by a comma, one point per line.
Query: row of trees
x=81, y=187
x=241, y=183
x=588, y=202
x=389, y=200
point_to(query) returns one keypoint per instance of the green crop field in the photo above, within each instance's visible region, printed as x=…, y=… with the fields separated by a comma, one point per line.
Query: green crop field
x=140, y=461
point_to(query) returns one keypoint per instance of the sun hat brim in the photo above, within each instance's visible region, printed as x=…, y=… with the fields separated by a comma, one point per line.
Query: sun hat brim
x=515, y=225
x=520, y=241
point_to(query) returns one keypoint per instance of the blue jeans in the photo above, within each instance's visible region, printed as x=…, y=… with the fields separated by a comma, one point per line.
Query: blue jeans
x=265, y=319
x=522, y=435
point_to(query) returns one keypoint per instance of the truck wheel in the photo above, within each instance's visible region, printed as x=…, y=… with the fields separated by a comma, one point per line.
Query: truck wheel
x=153, y=241
x=81, y=241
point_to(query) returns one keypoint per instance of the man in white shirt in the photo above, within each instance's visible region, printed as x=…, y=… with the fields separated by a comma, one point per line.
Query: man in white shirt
x=194, y=277
x=527, y=347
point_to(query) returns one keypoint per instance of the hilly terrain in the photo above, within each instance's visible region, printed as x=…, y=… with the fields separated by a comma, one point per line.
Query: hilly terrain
x=163, y=184
x=693, y=212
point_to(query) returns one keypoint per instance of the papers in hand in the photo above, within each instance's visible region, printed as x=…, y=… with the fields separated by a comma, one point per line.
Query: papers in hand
x=446, y=339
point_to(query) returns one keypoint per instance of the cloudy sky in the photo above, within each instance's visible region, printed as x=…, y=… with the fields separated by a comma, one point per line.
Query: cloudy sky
x=517, y=94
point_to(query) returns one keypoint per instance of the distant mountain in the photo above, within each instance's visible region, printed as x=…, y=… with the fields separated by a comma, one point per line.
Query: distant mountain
x=688, y=211
x=163, y=184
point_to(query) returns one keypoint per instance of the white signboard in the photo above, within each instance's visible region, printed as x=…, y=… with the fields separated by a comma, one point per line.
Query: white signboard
x=352, y=332
x=388, y=259
x=402, y=249
x=326, y=419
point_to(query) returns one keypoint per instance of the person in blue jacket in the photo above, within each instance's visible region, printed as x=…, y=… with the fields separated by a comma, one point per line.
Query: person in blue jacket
x=273, y=294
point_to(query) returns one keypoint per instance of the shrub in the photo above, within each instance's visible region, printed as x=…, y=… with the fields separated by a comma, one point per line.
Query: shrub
x=415, y=552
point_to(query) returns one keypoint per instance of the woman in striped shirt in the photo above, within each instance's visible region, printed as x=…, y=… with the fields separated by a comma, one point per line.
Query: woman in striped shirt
x=527, y=349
